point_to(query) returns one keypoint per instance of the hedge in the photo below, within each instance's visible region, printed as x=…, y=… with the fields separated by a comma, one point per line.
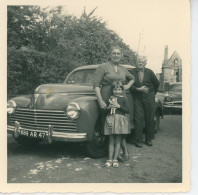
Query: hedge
x=29, y=68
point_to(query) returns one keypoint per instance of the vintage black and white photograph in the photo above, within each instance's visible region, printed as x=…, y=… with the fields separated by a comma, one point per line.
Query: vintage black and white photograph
x=94, y=92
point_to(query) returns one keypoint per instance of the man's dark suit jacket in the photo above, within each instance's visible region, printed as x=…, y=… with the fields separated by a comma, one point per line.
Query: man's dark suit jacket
x=150, y=81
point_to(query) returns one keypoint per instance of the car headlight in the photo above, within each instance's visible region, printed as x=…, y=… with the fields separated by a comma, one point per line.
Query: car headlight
x=166, y=94
x=11, y=106
x=156, y=99
x=168, y=99
x=73, y=110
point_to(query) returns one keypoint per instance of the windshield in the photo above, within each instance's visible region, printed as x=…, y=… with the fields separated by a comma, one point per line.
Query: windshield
x=84, y=77
x=175, y=88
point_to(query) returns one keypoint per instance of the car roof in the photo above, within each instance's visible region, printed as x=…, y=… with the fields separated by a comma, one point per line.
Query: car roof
x=96, y=66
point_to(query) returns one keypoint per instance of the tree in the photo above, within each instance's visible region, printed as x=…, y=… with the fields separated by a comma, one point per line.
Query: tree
x=52, y=42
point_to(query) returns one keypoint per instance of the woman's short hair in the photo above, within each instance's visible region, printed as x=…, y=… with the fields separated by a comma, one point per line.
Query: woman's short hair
x=115, y=47
x=117, y=84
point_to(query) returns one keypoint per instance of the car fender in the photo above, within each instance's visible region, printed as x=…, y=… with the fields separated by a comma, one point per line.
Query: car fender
x=159, y=106
x=89, y=115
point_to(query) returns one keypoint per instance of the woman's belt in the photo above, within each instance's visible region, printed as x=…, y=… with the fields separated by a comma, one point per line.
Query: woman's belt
x=109, y=84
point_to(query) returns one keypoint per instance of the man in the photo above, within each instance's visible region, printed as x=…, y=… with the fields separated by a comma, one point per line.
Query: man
x=144, y=90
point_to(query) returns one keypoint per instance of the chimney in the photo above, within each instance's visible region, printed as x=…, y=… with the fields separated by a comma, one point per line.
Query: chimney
x=165, y=54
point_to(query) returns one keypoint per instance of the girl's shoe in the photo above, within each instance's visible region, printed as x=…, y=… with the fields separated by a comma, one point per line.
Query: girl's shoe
x=108, y=163
x=115, y=163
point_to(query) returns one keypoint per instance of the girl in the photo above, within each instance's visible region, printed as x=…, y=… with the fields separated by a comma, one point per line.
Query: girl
x=116, y=123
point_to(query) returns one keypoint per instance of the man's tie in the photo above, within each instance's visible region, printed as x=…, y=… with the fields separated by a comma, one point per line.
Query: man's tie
x=141, y=75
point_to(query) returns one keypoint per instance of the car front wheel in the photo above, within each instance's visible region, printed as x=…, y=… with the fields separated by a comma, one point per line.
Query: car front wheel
x=98, y=146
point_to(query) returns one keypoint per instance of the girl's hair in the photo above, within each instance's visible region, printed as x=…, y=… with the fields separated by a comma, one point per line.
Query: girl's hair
x=117, y=84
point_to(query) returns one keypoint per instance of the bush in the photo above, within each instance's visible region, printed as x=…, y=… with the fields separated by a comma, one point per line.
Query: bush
x=29, y=68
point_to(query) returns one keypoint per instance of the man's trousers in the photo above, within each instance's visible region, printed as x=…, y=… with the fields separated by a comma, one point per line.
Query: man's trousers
x=144, y=116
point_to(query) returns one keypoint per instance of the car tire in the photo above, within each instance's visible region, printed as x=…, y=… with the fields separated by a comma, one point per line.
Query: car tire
x=157, y=121
x=26, y=141
x=98, y=146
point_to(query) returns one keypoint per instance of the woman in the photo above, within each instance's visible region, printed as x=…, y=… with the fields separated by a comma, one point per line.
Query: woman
x=105, y=74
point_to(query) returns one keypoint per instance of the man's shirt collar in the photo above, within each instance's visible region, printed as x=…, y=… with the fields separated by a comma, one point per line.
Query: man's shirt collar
x=140, y=69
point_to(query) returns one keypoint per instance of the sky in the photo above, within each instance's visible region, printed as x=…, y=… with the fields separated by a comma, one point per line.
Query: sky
x=160, y=23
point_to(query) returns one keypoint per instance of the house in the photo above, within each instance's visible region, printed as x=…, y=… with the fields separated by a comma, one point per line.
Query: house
x=171, y=70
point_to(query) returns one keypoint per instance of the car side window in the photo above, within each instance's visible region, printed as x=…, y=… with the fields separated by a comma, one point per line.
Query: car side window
x=76, y=77
x=81, y=77
x=175, y=88
x=89, y=79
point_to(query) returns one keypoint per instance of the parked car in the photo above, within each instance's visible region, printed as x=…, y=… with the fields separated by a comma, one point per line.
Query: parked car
x=64, y=112
x=173, y=98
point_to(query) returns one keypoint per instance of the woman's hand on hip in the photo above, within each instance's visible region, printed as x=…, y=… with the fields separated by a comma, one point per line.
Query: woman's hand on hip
x=126, y=87
x=130, y=83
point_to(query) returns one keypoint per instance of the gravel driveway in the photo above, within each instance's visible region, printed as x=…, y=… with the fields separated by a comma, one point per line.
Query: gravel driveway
x=66, y=163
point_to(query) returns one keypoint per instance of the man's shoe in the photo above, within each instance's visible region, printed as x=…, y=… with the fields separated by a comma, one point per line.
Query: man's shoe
x=148, y=143
x=138, y=144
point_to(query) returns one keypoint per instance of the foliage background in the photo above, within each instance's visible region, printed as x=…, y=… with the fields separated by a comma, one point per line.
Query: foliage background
x=44, y=45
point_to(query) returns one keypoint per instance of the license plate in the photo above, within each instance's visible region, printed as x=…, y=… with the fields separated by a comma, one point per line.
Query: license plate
x=33, y=134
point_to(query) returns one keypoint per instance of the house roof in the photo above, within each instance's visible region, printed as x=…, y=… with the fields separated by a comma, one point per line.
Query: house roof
x=174, y=55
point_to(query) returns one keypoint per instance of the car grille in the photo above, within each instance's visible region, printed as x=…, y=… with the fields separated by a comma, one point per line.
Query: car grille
x=41, y=119
x=174, y=104
x=177, y=103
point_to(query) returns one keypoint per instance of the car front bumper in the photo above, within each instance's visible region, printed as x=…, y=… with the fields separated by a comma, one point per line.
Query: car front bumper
x=172, y=106
x=50, y=134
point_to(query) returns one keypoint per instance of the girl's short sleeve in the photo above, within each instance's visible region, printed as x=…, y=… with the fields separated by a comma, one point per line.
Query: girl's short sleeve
x=98, y=76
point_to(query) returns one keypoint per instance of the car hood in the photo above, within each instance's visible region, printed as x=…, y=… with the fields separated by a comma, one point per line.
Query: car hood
x=55, y=96
x=63, y=88
x=176, y=96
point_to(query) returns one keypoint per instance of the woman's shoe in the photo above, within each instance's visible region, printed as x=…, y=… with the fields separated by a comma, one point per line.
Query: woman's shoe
x=126, y=158
x=121, y=159
x=108, y=163
x=138, y=144
x=115, y=163
x=148, y=143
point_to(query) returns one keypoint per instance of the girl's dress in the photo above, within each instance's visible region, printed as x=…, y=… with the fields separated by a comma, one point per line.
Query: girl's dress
x=117, y=123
